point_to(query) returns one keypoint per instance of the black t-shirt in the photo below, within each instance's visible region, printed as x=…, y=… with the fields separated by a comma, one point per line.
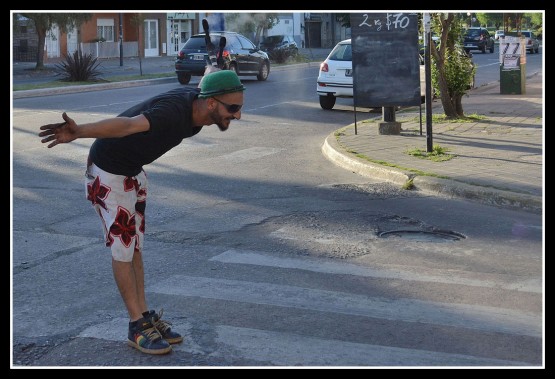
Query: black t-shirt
x=170, y=116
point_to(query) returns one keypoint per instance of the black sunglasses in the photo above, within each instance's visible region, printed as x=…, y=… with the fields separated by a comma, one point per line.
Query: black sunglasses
x=231, y=108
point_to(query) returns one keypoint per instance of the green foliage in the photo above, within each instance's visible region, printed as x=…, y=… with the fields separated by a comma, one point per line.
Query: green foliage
x=78, y=67
x=344, y=19
x=280, y=55
x=489, y=19
x=249, y=23
x=438, y=154
x=409, y=184
x=451, y=64
x=535, y=22
x=64, y=21
x=45, y=21
x=459, y=71
x=495, y=21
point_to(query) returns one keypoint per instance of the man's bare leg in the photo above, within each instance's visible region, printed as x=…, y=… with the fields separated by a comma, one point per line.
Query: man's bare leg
x=129, y=278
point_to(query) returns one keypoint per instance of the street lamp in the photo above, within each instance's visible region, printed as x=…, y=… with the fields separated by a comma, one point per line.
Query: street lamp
x=472, y=19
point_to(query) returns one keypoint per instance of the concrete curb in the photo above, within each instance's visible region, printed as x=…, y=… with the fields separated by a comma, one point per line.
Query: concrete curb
x=485, y=195
x=431, y=185
x=88, y=87
x=337, y=154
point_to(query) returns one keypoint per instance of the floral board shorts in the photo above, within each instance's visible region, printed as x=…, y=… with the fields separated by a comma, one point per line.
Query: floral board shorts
x=120, y=202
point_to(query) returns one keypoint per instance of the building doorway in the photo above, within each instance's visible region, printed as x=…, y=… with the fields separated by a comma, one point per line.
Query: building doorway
x=313, y=34
x=151, y=38
x=180, y=32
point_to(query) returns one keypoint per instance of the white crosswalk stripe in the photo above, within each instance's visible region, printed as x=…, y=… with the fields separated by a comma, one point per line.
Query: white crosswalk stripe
x=457, y=315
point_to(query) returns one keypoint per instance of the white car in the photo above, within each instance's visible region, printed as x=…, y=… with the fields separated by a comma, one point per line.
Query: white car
x=335, y=78
x=499, y=34
x=532, y=43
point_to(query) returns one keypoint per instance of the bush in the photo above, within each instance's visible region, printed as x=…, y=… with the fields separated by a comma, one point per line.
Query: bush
x=78, y=67
x=280, y=55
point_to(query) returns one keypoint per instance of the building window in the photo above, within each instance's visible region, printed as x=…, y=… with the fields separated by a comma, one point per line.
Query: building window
x=105, y=29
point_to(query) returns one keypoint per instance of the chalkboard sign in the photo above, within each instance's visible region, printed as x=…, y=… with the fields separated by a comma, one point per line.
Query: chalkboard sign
x=386, y=62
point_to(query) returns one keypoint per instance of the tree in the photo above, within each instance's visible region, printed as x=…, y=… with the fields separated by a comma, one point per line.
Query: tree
x=487, y=19
x=344, y=19
x=251, y=23
x=453, y=70
x=138, y=21
x=45, y=21
x=535, y=21
x=512, y=21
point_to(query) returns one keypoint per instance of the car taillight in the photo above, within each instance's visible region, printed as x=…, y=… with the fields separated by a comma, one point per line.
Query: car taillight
x=225, y=54
x=324, y=67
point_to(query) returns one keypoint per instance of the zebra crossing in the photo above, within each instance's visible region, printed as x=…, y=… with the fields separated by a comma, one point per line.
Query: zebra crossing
x=341, y=328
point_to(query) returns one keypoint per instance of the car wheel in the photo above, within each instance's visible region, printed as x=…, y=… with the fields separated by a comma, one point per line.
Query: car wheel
x=264, y=72
x=183, y=77
x=327, y=102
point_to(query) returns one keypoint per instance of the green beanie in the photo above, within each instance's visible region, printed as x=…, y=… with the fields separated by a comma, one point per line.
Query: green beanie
x=219, y=83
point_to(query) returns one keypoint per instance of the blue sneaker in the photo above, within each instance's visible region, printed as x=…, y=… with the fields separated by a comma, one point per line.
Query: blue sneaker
x=146, y=338
x=164, y=327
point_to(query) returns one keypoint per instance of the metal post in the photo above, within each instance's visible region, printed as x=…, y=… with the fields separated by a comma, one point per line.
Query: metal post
x=120, y=39
x=427, y=62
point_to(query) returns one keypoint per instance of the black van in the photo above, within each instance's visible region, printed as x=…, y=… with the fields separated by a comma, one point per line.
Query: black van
x=478, y=38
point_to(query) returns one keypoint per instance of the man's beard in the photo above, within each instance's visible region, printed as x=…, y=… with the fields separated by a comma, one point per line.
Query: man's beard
x=219, y=120
x=222, y=127
x=220, y=123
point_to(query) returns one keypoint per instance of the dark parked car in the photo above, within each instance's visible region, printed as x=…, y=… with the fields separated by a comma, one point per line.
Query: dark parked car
x=279, y=42
x=239, y=55
x=478, y=38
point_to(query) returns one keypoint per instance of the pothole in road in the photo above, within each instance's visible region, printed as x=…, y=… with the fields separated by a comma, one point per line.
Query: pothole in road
x=423, y=236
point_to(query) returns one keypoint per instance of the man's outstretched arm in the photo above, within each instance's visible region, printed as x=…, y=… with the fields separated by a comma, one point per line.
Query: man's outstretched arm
x=68, y=130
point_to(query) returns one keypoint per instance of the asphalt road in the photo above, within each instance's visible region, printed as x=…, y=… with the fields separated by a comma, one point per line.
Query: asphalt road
x=265, y=254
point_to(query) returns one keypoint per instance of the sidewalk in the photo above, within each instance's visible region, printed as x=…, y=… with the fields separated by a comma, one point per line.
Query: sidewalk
x=24, y=71
x=497, y=160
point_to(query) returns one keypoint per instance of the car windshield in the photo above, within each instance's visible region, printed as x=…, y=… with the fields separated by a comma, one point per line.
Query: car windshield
x=342, y=52
x=473, y=32
x=527, y=34
x=198, y=42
